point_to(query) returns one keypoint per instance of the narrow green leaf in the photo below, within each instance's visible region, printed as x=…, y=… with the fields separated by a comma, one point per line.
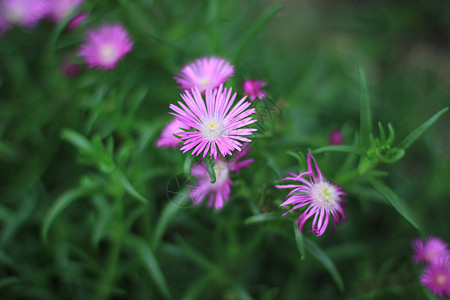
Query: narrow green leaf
x=297, y=157
x=197, y=287
x=365, y=126
x=338, y=148
x=150, y=263
x=195, y=256
x=254, y=29
x=169, y=212
x=395, y=201
x=128, y=187
x=300, y=242
x=421, y=129
x=209, y=161
x=4, y=282
x=78, y=140
x=188, y=165
x=240, y=291
x=325, y=261
x=267, y=217
x=59, y=205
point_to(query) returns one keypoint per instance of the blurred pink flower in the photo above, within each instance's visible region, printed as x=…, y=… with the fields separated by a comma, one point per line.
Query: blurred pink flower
x=76, y=21
x=436, y=276
x=219, y=191
x=24, y=13
x=106, y=46
x=70, y=69
x=433, y=248
x=253, y=89
x=167, y=138
x=321, y=196
x=60, y=9
x=336, y=137
x=203, y=73
x=216, y=127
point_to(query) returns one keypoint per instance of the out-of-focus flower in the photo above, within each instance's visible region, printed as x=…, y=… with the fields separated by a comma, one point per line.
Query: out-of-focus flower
x=167, y=138
x=60, y=9
x=23, y=13
x=219, y=191
x=253, y=89
x=322, y=198
x=76, y=21
x=216, y=126
x=436, y=276
x=70, y=69
x=106, y=46
x=203, y=73
x=336, y=137
x=433, y=248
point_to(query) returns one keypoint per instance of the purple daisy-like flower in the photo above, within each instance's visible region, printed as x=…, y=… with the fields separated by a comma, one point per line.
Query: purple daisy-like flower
x=219, y=191
x=167, y=138
x=216, y=126
x=106, y=46
x=24, y=13
x=322, y=197
x=203, y=73
x=433, y=248
x=436, y=276
x=60, y=9
x=253, y=89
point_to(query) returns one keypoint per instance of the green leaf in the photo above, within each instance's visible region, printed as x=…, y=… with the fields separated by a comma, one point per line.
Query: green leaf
x=197, y=287
x=209, y=161
x=421, y=129
x=128, y=187
x=253, y=30
x=59, y=205
x=169, y=212
x=401, y=207
x=195, y=256
x=150, y=263
x=267, y=217
x=4, y=282
x=315, y=251
x=365, y=126
x=300, y=242
x=78, y=140
x=338, y=148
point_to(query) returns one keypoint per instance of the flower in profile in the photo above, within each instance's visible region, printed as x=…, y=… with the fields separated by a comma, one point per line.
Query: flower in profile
x=60, y=9
x=24, y=13
x=203, y=73
x=322, y=198
x=426, y=252
x=167, y=138
x=216, y=126
x=219, y=191
x=76, y=21
x=336, y=137
x=106, y=46
x=253, y=89
x=436, y=276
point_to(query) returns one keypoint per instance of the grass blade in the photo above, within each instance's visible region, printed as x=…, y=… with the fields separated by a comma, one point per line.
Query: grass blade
x=129, y=188
x=338, y=148
x=300, y=242
x=365, y=126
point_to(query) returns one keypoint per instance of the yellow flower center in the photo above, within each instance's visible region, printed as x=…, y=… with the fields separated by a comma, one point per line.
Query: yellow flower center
x=212, y=130
x=203, y=84
x=108, y=53
x=324, y=194
x=441, y=279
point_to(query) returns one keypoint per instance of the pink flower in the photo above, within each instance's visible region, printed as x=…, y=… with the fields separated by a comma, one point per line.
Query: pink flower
x=106, y=46
x=433, y=248
x=203, y=73
x=321, y=196
x=253, y=89
x=219, y=191
x=70, y=69
x=336, y=137
x=60, y=9
x=436, y=276
x=167, y=138
x=216, y=127
x=76, y=21
x=24, y=13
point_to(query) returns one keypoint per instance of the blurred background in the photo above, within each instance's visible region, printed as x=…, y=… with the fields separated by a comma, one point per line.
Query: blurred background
x=87, y=199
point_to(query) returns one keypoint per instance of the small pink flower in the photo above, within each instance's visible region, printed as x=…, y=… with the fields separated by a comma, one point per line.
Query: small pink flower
x=436, y=276
x=253, y=89
x=106, y=46
x=433, y=248
x=70, y=69
x=216, y=126
x=219, y=191
x=203, y=73
x=336, y=137
x=167, y=138
x=24, y=13
x=60, y=9
x=321, y=196
x=76, y=21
